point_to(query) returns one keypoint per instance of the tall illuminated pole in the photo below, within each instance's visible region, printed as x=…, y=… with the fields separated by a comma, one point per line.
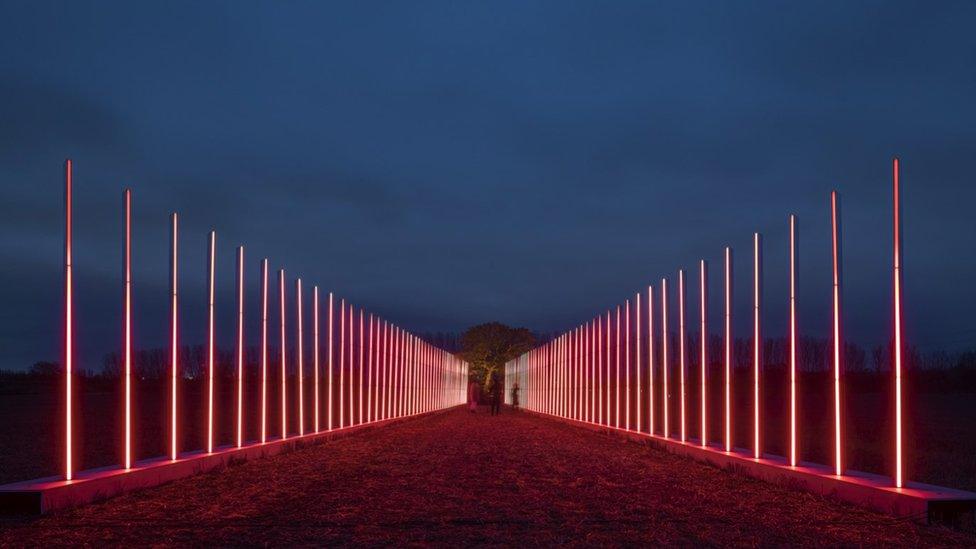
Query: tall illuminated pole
x=703, y=295
x=838, y=343
x=342, y=362
x=897, y=284
x=650, y=360
x=128, y=328
x=283, y=342
x=594, y=368
x=301, y=358
x=352, y=331
x=793, y=342
x=68, y=326
x=384, y=372
x=372, y=375
x=757, y=342
x=264, y=350
x=682, y=361
x=665, y=397
x=173, y=339
x=728, y=349
x=637, y=350
x=240, y=346
x=607, y=348
x=315, y=350
x=616, y=352
x=361, y=357
x=210, y=343
x=331, y=354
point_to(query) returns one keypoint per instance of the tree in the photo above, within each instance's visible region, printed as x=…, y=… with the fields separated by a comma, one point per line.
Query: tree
x=45, y=368
x=487, y=347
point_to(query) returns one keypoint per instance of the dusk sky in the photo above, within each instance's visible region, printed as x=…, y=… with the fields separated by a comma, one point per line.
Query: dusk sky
x=447, y=164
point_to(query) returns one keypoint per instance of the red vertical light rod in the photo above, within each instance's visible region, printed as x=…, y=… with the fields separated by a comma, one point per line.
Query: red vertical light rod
x=284, y=344
x=264, y=350
x=210, y=343
x=637, y=355
x=794, y=458
x=240, y=346
x=897, y=288
x=682, y=360
x=650, y=360
x=329, y=361
x=838, y=342
x=173, y=340
x=315, y=352
x=757, y=342
x=703, y=300
x=665, y=396
x=68, y=327
x=128, y=328
x=728, y=349
x=301, y=358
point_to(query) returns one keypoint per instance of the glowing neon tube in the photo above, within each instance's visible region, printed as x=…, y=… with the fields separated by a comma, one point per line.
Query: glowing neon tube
x=128, y=329
x=361, y=356
x=682, y=364
x=386, y=370
x=264, y=350
x=838, y=343
x=173, y=350
x=616, y=352
x=607, y=348
x=637, y=360
x=352, y=329
x=591, y=378
x=301, y=361
x=342, y=362
x=598, y=363
x=728, y=349
x=627, y=370
x=68, y=325
x=703, y=289
x=665, y=397
x=315, y=351
x=897, y=284
x=210, y=345
x=757, y=342
x=793, y=452
x=240, y=346
x=650, y=360
x=331, y=353
x=283, y=341
x=372, y=375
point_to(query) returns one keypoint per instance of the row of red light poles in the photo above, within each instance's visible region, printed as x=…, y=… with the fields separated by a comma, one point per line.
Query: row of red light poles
x=571, y=375
x=399, y=374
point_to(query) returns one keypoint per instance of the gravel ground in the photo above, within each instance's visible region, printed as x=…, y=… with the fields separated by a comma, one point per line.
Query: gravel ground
x=458, y=478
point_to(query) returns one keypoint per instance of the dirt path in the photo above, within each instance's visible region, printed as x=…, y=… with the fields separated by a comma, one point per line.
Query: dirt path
x=466, y=479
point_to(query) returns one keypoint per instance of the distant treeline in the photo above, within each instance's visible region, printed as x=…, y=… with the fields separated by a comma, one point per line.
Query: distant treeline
x=814, y=354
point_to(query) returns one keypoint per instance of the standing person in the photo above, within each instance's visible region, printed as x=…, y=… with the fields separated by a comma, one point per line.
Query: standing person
x=474, y=390
x=496, y=394
x=515, y=391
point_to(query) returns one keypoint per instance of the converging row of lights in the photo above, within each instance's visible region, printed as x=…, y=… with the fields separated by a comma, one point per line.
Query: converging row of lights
x=570, y=376
x=404, y=375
